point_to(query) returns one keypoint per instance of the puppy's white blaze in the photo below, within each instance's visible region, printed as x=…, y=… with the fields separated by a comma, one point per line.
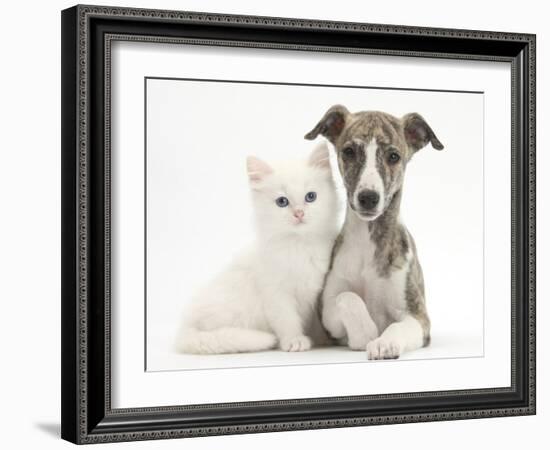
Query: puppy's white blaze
x=370, y=178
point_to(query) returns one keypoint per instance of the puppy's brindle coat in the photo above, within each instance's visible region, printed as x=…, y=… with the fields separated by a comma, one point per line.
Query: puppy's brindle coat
x=374, y=291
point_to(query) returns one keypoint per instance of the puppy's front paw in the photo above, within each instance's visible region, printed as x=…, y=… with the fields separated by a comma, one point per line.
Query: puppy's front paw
x=295, y=344
x=357, y=343
x=382, y=348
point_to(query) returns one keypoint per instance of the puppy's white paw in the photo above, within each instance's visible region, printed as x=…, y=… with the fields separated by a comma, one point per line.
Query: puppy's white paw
x=382, y=348
x=358, y=323
x=357, y=343
x=295, y=344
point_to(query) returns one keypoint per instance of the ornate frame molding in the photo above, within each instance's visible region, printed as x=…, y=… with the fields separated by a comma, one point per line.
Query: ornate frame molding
x=79, y=418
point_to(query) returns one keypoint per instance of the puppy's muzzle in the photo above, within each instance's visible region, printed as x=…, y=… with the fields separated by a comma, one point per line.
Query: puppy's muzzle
x=368, y=200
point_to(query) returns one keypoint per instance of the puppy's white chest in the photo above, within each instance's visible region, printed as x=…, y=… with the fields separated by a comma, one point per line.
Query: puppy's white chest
x=385, y=297
x=383, y=294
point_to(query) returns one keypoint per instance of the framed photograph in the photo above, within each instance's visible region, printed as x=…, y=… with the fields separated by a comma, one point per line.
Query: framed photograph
x=279, y=224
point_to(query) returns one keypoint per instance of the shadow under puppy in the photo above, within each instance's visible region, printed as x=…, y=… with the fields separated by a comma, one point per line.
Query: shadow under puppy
x=268, y=296
x=374, y=293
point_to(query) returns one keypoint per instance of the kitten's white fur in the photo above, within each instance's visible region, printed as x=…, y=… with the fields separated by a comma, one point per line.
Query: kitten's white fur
x=268, y=296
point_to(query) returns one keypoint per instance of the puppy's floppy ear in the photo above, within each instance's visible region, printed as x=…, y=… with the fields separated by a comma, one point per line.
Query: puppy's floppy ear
x=257, y=169
x=418, y=133
x=331, y=125
x=320, y=157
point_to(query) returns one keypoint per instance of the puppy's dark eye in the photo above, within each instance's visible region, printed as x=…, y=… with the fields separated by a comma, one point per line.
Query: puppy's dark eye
x=311, y=197
x=282, y=202
x=393, y=157
x=348, y=152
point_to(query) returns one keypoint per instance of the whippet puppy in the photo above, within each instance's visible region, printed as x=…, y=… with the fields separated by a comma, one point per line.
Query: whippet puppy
x=373, y=297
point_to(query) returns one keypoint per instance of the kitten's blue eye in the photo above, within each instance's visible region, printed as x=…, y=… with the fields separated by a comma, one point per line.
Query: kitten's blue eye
x=282, y=202
x=311, y=197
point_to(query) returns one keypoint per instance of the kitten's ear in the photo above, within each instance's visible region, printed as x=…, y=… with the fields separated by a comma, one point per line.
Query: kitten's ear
x=320, y=157
x=257, y=169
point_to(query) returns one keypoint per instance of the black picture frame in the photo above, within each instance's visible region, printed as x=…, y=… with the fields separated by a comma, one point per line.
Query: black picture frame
x=87, y=32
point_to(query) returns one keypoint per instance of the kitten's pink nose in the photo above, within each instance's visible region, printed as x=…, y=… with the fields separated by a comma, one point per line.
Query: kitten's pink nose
x=299, y=214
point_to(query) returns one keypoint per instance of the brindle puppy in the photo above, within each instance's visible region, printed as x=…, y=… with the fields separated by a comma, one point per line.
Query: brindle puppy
x=374, y=292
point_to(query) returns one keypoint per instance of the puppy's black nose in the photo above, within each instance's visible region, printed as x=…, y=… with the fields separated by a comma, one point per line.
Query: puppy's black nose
x=368, y=199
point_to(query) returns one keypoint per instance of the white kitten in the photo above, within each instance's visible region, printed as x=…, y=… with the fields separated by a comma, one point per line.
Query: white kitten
x=268, y=295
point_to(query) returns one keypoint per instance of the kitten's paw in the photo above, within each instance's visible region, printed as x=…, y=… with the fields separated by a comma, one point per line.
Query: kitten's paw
x=382, y=348
x=295, y=344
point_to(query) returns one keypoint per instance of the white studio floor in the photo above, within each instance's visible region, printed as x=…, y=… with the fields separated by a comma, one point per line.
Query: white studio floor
x=443, y=346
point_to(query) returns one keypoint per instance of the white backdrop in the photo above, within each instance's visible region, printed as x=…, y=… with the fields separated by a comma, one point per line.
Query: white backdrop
x=132, y=387
x=30, y=231
x=199, y=209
